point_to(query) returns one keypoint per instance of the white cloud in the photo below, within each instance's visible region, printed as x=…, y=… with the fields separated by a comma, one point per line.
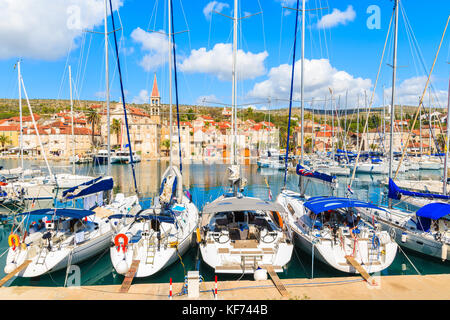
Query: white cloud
x=46, y=29
x=409, y=91
x=204, y=100
x=143, y=97
x=337, y=17
x=157, y=46
x=218, y=61
x=319, y=76
x=213, y=6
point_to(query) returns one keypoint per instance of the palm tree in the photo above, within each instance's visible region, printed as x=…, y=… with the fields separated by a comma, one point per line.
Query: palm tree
x=116, y=127
x=94, y=119
x=4, y=140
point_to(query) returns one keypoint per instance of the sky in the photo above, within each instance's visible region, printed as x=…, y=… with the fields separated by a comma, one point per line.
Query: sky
x=343, y=47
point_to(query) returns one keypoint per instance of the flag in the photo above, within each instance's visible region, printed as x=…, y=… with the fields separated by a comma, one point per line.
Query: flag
x=349, y=189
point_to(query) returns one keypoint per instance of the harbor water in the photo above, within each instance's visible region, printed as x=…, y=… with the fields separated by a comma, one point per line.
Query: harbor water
x=206, y=181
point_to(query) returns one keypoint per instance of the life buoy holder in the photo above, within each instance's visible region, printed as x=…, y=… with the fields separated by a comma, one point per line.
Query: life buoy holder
x=13, y=241
x=118, y=244
x=277, y=217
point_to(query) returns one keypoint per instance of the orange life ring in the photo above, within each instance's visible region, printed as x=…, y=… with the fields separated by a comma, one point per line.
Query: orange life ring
x=13, y=241
x=277, y=217
x=118, y=244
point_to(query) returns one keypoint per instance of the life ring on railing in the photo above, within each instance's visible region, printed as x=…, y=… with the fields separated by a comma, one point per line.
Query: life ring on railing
x=118, y=244
x=13, y=241
x=277, y=218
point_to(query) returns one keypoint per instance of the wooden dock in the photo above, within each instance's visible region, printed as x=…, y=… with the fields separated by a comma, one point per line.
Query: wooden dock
x=361, y=270
x=276, y=281
x=126, y=284
x=16, y=271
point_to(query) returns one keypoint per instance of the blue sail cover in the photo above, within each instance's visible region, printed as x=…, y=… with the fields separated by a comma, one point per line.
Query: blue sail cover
x=321, y=204
x=93, y=186
x=396, y=193
x=301, y=171
x=434, y=210
x=71, y=213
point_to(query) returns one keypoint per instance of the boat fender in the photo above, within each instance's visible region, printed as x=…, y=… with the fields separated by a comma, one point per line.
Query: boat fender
x=444, y=250
x=260, y=274
x=199, y=236
x=13, y=241
x=118, y=244
x=404, y=237
x=10, y=267
x=122, y=267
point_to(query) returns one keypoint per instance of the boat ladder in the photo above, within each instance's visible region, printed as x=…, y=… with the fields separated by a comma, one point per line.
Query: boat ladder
x=373, y=254
x=42, y=255
x=250, y=261
x=151, y=251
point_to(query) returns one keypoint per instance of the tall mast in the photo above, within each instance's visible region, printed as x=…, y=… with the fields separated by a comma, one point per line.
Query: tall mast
x=170, y=84
x=357, y=125
x=384, y=122
x=233, y=90
x=301, y=77
x=71, y=113
x=447, y=141
x=19, y=76
x=108, y=168
x=394, y=69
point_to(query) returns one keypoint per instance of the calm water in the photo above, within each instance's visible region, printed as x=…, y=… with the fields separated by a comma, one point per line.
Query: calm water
x=206, y=182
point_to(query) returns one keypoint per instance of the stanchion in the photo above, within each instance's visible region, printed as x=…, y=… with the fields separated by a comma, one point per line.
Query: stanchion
x=215, y=288
x=170, y=290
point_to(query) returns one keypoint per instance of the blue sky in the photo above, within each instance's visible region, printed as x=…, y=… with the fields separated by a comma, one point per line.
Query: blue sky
x=342, y=52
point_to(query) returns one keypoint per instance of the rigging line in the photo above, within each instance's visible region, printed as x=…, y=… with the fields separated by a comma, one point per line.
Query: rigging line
x=419, y=52
x=281, y=36
x=408, y=35
x=80, y=59
x=421, y=99
x=64, y=72
x=85, y=65
x=176, y=87
x=262, y=23
x=123, y=99
x=187, y=25
x=290, y=99
x=320, y=39
x=371, y=101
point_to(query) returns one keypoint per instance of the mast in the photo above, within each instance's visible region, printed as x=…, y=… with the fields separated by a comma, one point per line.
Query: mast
x=357, y=125
x=71, y=113
x=19, y=76
x=447, y=142
x=290, y=108
x=123, y=101
x=394, y=69
x=384, y=122
x=301, y=77
x=108, y=115
x=233, y=90
x=170, y=84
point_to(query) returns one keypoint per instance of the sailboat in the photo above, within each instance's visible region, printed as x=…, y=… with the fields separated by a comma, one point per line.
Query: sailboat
x=428, y=229
x=42, y=188
x=160, y=235
x=241, y=234
x=328, y=227
x=53, y=239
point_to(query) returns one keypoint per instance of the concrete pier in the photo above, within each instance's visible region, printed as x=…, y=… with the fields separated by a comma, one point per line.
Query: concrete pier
x=412, y=287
